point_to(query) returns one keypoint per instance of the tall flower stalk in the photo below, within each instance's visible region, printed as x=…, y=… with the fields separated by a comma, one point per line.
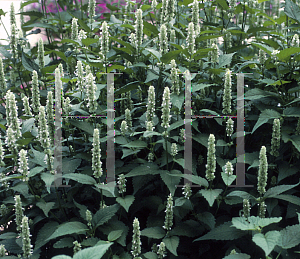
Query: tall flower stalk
x=74, y=35
x=139, y=28
x=96, y=151
x=50, y=117
x=91, y=91
x=41, y=53
x=35, y=92
x=211, y=159
x=150, y=113
x=263, y=171
x=227, y=93
x=27, y=247
x=3, y=85
x=163, y=40
x=136, y=239
x=169, y=214
x=104, y=40
x=23, y=165
x=18, y=212
x=275, y=142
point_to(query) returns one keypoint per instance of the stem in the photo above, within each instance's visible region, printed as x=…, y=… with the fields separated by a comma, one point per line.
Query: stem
x=4, y=26
x=166, y=151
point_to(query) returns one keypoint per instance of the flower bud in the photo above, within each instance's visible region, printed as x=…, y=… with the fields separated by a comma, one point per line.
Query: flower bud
x=166, y=105
x=50, y=117
x=169, y=214
x=23, y=165
x=18, y=211
x=136, y=238
x=151, y=104
x=35, y=92
x=263, y=171
x=227, y=93
x=139, y=27
x=3, y=85
x=27, y=247
x=211, y=158
x=124, y=127
x=89, y=218
x=246, y=208
x=2, y=251
x=104, y=38
x=77, y=247
x=74, y=35
x=262, y=209
x=174, y=150
x=122, y=183
x=187, y=191
x=96, y=151
x=27, y=109
x=41, y=53
x=275, y=142
x=163, y=39
x=161, y=250
x=91, y=91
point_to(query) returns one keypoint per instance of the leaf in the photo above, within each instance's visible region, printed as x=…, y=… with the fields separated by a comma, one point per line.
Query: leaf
x=237, y=256
x=105, y=214
x=264, y=117
x=223, y=4
x=223, y=232
x=95, y=252
x=144, y=169
x=166, y=58
x=195, y=179
x=225, y=59
x=252, y=223
x=177, y=100
x=296, y=141
x=211, y=195
x=289, y=198
x=256, y=93
x=198, y=87
x=70, y=166
x=8, y=235
x=286, y=53
x=285, y=170
x=274, y=191
x=241, y=194
x=267, y=242
x=41, y=25
x=170, y=180
x=107, y=190
x=291, y=112
x=45, y=231
x=289, y=237
x=45, y=207
x=5, y=53
x=49, y=179
x=172, y=244
x=88, y=41
x=64, y=242
x=228, y=179
x=292, y=10
x=151, y=76
x=154, y=232
x=61, y=257
x=126, y=202
x=81, y=178
x=114, y=235
x=23, y=4
x=155, y=53
x=264, y=47
x=83, y=125
x=135, y=144
x=29, y=64
x=68, y=228
x=207, y=218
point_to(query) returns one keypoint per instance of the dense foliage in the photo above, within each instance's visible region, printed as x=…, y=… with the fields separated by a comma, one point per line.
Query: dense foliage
x=151, y=48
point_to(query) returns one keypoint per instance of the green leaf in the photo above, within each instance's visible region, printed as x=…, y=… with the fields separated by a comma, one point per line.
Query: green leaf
x=151, y=76
x=49, y=179
x=41, y=25
x=289, y=237
x=241, y=194
x=29, y=64
x=166, y=58
x=95, y=252
x=61, y=257
x=228, y=179
x=170, y=180
x=144, y=169
x=45, y=231
x=148, y=134
x=81, y=178
x=151, y=28
x=172, y=244
x=155, y=53
x=128, y=152
x=286, y=53
x=195, y=179
x=112, y=8
x=114, y=235
x=264, y=47
x=154, y=232
x=211, y=195
x=136, y=144
x=225, y=59
x=24, y=141
x=177, y=100
x=285, y=170
x=223, y=4
x=70, y=166
x=64, y=242
x=68, y=228
x=27, y=125
x=274, y=191
x=268, y=241
x=126, y=44
x=105, y=214
x=83, y=125
x=5, y=53
x=207, y=218
x=292, y=10
x=223, y=232
x=108, y=191
x=264, y=117
x=253, y=222
x=88, y=41
x=255, y=94
x=237, y=256
x=126, y=202
x=45, y=207
x=296, y=141
x=289, y=198
x=23, y=4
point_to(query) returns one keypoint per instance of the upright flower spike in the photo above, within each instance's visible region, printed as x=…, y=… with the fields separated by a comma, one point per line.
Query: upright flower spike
x=50, y=117
x=3, y=85
x=10, y=141
x=2, y=251
x=262, y=209
x=27, y=109
x=1, y=153
x=91, y=91
x=246, y=208
x=129, y=102
x=174, y=150
x=74, y=35
x=187, y=191
x=23, y=165
x=163, y=39
x=227, y=93
x=82, y=35
x=61, y=70
x=122, y=183
x=161, y=250
x=139, y=27
x=274, y=56
x=96, y=151
x=174, y=78
x=89, y=217
x=124, y=127
x=229, y=169
x=80, y=76
x=164, y=11
x=229, y=127
x=12, y=114
x=133, y=40
x=91, y=7
x=27, y=247
x=13, y=41
x=170, y=13
x=41, y=53
x=195, y=17
x=18, y=212
x=169, y=214
x=149, y=126
x=104, y=39
x=77, y=247
x=295, y=41
x=150, y=114
x=191, y=39
x=128, y=118
x=275, y=142
x=262, y=57
x=35, y=92
x=166, y=105
x=263, y=171
x=43, y=129
x=214, y=53
x=12, y=15
x=136, y=239
x=211, y=159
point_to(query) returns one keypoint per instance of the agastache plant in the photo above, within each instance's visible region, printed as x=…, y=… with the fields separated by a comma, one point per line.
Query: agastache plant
x=50, y=117
x=74, y=35
x=163, y=39
x=191, y=39
x=10, y=141
x=3, y=85
x=166, y=105
x=89, y=217
x=35, y=92
x=96, y=151
x=136, y=239
x=211, y=159
x=227, y=93
x=151, y=104
x=275, y=142
x=12, y=15
x=41, y=53
x=91, y=8
x=27, y=247
x=122, y=183
x=18, y=212
x=229, y=127
x=174, y=78
x=195, y=17
x=128, y=118
x=104, y=39
x=2, y=251
x=139, y=28
x=187, y=191
x=169, y=214
x=161, y=250
x=80, y=76
x=1, y=153
x=263, y=171
x=27, y=109
x=77, y=247
x=91, y=91
x=13, y=43
x=23, y=165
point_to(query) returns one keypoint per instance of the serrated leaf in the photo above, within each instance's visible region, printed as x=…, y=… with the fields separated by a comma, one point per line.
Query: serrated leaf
x=153, y=232
x=211, y=195
x=38, y=158
x=264, y=117
x=45, y=207
x=170, y=180
x=49, y=179
x=70, y=166
x=176, y=100
x=108, y=191
x=114, y=235
x=83, y=125
x=144, y=169
x=8, y=235
x=237, y=256
x=126, y=202
x=155, y=53
x=45, y=231
x=228, y=179
x=81, y=178
x=88, y=41
x=267, y=242
x=289, y=198
x=150, y=255
x=223, y=232
x=264, y=47
x=196, y=179
x=225, y=59
x=289, y=237
x=291, y=112
x=252, y=223
x=166, y=58
x=64, y=242
x=68, y=228
x=95, y=252
x=223, y=4
x=241, y=194
x=29, y=64
x=296, y=141
x=274, y=191
x=27, y=125
x=285, y=170
x=292, y=10
x=208, y=219
x=105, y=214
x=172, y=244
